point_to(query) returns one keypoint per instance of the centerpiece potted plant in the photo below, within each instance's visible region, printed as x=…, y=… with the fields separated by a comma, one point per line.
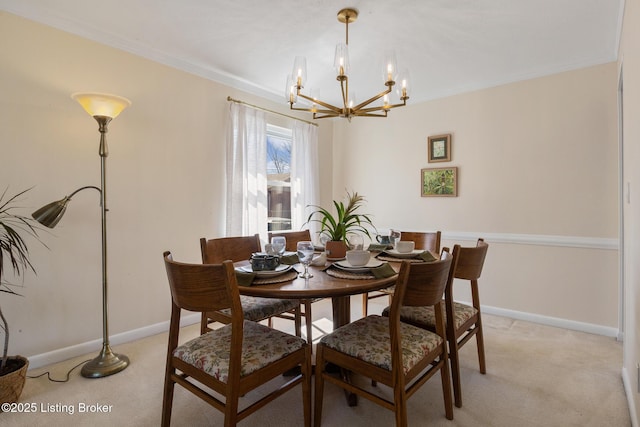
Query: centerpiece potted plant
x=334, y=230
x=13, y=249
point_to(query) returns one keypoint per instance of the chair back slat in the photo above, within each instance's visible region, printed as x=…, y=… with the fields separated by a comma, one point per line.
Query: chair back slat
x=424, y=282
x=214, y=251
x=428, y=241
x=293, y=237
x=202, y=287
x=471, y=261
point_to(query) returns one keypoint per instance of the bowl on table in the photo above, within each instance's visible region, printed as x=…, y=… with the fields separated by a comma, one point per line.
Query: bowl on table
x=358, y=257
x=263, y=262
x=405, y=246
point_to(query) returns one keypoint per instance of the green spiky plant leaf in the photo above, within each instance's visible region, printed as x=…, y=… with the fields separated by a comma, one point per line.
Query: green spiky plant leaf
x=13, y=249
x=345, y=221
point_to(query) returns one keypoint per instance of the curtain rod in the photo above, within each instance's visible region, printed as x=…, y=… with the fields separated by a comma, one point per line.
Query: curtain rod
x=230, y=99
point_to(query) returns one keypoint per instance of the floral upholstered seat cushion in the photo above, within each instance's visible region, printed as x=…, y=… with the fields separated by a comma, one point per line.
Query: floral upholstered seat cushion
x=261, y=346
x=425, y=315
x=368, y=339
x=257, y=309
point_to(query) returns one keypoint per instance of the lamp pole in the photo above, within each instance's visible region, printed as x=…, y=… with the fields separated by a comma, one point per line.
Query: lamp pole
x=107, y=362
x=103, y=108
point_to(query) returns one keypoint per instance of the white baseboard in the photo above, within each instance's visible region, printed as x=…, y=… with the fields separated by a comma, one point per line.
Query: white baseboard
x=629, y=392
x=55, y=356
x=44, y=359
x=553, y=321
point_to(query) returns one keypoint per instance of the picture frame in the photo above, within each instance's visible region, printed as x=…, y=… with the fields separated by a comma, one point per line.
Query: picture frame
x=439, y=182
x=439, y=148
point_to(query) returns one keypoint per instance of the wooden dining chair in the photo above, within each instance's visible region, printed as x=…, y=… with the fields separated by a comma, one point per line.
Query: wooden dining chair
x=463, y=321
x=398, y=355
x=234, y=359
x=428, y=241
x=292, y=238
x=236, y=249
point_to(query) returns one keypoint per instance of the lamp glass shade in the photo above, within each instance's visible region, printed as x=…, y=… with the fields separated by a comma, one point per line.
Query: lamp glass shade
x=49, y=215
x=390, y=66
x=403, y=87
x=299, y=73
x=101, y=104
x=291, y=93
x=341, y=60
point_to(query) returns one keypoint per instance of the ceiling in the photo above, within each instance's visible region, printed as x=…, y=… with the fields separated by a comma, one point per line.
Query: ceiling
x=448, y=46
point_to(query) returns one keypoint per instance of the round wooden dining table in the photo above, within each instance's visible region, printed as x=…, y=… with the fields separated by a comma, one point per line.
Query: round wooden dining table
x=321, y=285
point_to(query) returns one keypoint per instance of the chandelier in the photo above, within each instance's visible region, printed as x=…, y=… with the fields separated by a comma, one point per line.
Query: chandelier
x=321, y=110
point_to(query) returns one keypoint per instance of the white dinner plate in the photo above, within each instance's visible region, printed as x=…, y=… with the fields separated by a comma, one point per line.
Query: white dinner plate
x=345, y=265
x=282, y=268
x=397, y=254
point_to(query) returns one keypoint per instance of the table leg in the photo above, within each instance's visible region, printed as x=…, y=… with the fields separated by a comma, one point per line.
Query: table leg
x=342, y=316
x=341, y=311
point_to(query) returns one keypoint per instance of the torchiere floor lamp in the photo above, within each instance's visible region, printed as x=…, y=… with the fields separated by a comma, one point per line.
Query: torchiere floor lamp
x=103, y=108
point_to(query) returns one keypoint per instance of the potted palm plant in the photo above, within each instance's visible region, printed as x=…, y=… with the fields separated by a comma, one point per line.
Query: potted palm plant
x=13, y=249
x=334, y=230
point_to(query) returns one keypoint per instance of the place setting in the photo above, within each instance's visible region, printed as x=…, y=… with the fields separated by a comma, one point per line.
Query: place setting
x=397, y=250
x=274, y=265
x=359, y=264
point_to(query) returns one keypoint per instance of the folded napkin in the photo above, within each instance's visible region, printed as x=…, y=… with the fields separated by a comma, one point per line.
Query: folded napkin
x=384, y=271
x=245, y=279
x=377, y=247
x=427, y=256
x=319, y=260
x=289, y=259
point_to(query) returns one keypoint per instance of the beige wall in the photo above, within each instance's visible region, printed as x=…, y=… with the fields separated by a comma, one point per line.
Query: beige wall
x=166, y=180
x=629, y=61
x=536, y=158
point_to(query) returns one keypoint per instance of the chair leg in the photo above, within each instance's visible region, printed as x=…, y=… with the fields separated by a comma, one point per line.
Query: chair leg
x=455, y=372
x=306, y=386
x=400, y=401
x=297, y=321
x=270, y=322
x=308, y=320
x=204, y=324
x=446, y=385
x=365, y=304
x=317, y=406
x=231, y=410
x=480, y=345
x=167, y=400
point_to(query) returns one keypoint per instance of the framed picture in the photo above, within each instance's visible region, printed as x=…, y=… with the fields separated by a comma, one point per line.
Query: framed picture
x=439, y=148
x=439, y=182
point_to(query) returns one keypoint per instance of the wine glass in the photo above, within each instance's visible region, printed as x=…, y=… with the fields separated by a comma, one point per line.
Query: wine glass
x=355, y=241
x=394, y=236
x=279, y=243
x=305, y=255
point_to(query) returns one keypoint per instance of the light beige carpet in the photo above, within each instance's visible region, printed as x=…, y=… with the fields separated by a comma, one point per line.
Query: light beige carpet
x=536, y=376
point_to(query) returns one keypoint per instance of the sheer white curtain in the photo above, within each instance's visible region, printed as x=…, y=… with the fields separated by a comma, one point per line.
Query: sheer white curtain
x=246, y=171
x=305, y=181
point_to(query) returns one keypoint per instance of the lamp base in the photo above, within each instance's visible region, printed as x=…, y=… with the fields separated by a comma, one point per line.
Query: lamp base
x=107, y=363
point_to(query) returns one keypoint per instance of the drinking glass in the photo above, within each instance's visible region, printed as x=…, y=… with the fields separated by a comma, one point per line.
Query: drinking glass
x=305, y=255
x=394, y=236
x=279, y=243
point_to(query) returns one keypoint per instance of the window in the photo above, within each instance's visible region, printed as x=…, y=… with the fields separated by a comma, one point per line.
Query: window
x=278, y=177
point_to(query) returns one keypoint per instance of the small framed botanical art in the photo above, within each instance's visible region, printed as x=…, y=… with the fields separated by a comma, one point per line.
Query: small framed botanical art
x=439, y=148
x=439, y=182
